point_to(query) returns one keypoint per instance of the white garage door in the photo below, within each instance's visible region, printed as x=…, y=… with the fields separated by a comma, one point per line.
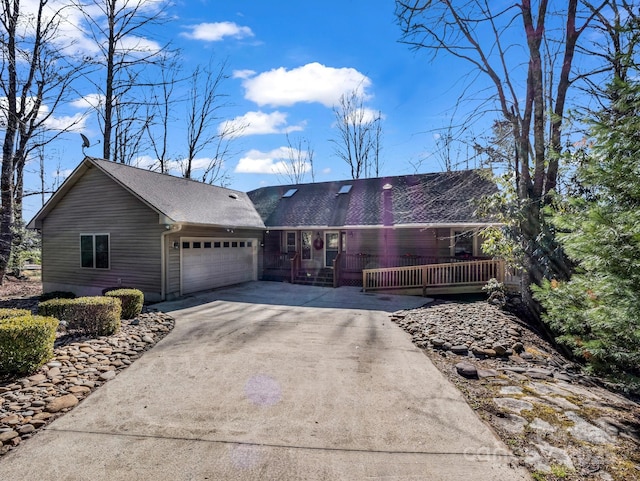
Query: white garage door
x=213, y=262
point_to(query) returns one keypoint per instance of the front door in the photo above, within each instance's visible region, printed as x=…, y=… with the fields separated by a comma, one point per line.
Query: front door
x=331, y=247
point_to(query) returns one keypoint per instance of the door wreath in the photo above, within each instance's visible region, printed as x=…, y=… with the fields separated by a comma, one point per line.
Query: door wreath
x=318, y=244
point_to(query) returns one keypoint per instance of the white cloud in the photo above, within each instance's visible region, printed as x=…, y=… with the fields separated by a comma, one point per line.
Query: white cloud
x=201, y=163
x=259, y=123
x=246, y=73
x=175, y=167
x=313, y=82
x=137, y=45
x=273, y=162
x=146, y=162
x=326, y=170
x=92, y=101
x=70, y=123
x=72, y=32
x=214, y=32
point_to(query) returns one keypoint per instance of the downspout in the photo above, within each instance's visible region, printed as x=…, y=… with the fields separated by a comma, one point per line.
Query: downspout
x=173, y=228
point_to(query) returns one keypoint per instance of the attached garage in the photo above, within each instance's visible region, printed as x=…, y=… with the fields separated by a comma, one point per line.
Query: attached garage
x=161, y=234
x=207, y=263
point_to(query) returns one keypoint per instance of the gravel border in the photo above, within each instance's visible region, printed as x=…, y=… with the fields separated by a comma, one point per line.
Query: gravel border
x=561, y=423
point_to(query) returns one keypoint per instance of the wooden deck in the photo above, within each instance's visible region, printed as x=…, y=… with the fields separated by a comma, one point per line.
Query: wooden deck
x=447, y=278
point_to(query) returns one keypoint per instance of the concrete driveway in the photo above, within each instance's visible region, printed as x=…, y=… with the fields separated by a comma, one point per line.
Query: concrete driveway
x=273, y=381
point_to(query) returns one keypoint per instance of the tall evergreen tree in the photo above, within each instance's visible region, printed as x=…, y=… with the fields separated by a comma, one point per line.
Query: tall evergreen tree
x=597, y=312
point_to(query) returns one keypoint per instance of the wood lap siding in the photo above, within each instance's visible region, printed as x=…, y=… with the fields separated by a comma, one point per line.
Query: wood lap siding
x=394, y=242
x=96, y=204
x=444, y=242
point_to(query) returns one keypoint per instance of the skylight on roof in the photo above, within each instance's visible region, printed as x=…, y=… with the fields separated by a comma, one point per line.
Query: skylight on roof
x=345, y=189
x=289, y=193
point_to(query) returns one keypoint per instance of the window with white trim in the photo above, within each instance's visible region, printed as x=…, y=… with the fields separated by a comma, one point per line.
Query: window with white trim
x=291, y=242
x=94, y=251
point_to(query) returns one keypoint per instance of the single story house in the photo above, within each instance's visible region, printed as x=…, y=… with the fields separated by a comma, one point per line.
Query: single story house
x=340, y=228
x=112, y=225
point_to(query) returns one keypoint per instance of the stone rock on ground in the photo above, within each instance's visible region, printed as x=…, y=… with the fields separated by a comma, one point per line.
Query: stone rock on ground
x=555, y=418
x=79, y=366
x=467, y=370
x=63, y=402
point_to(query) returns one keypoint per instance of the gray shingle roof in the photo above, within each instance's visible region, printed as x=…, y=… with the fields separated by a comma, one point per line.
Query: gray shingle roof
x=438, y=198
x=180, y=200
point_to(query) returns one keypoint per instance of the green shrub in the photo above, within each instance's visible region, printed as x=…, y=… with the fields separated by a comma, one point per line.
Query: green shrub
x=496, y=292
x=131, y=299
x=26, y=343
x=56, y=295
x=93, y=315
x=53, y=308
x=9, y=313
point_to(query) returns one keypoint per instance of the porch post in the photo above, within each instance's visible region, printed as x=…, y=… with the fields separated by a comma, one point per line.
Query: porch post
x=424, y=281
x=336, y=270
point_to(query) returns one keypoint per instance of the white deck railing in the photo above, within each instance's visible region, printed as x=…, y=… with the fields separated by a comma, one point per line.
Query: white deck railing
x=471, y=273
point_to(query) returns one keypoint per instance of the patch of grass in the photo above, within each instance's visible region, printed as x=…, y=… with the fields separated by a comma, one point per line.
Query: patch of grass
x=546, y=413
x=624, y=462
x=559, y=471
x=516, y=443
x=624, y=470
x=575, y=400
x=538, y=476
x=532, y=350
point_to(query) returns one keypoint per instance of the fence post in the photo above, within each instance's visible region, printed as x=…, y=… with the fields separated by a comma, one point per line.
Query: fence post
x=501, y=273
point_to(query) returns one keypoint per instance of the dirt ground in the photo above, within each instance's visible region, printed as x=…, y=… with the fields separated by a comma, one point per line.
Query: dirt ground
x=21, y=293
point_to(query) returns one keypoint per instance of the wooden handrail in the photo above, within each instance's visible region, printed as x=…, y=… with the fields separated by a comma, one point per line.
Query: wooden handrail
x=471, y=273
x=337, y=262
x=295, y=266
x=277, y=260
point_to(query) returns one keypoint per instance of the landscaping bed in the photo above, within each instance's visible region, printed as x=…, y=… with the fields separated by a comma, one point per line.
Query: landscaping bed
x=80, y=365
x=561, y=423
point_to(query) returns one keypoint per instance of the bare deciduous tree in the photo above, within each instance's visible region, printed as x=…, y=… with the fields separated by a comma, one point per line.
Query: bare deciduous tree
x=35, y=79
x=616, y=40
x=159, y=111
x=205, y=101
x=359, y=135
x=129, y=132
x=486, y=37
x=116, y=28
x=299, y=161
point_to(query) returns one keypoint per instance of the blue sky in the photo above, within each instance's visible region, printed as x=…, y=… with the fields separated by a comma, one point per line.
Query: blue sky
x=289, y=62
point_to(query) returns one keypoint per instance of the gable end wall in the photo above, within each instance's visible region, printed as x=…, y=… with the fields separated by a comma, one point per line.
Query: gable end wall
x=97, y=204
